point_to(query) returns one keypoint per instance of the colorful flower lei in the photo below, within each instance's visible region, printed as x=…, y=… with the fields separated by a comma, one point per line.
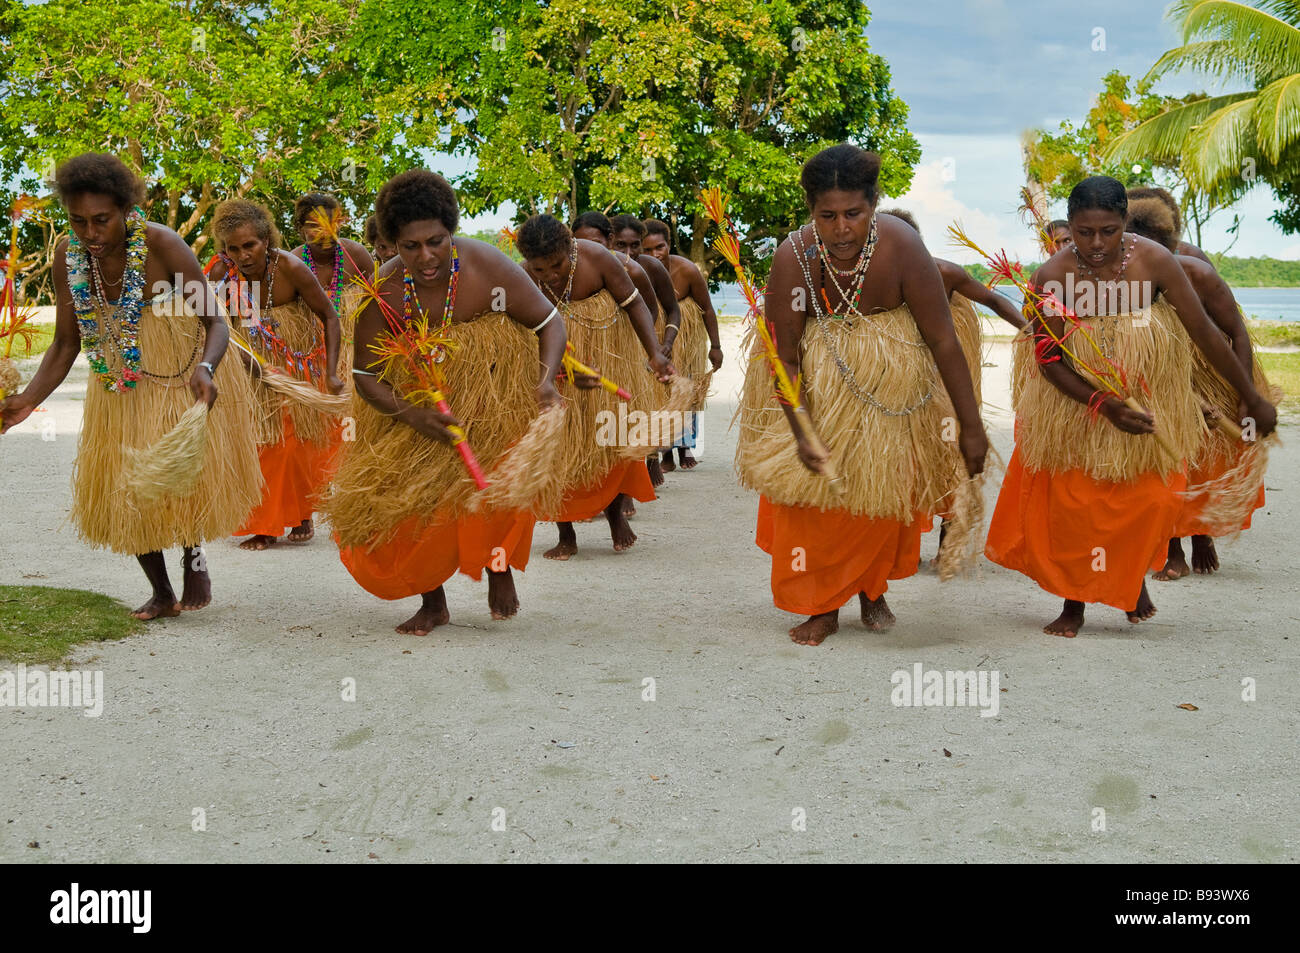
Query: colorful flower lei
x=127, y=311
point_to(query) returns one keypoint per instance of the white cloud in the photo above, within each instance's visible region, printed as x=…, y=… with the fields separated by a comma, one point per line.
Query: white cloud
x=935, y=206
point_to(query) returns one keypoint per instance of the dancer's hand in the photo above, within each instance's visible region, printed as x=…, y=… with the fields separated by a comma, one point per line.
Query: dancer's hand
x=334, y=383
x=548, y=396
x=1265, y=416
x=973, y=443
x=432, y=423
x=813, y=457
x=203, y=387
x=1126, y=418
x=587, y=381
x=715, y=357
x=662, y=368
x=14, y=410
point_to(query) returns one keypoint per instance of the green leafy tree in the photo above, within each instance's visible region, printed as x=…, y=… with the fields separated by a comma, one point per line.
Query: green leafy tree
x=206, y=100
x=1228, y=143
x=1058, y=161
x=636, y=106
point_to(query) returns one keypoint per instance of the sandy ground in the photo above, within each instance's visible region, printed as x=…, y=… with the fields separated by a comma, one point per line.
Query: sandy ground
x=531, y=740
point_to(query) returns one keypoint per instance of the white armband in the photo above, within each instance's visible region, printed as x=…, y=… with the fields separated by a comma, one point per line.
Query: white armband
x=554, y=312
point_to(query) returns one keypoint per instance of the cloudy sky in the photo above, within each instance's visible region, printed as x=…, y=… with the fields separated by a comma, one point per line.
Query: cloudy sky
x=976, y=73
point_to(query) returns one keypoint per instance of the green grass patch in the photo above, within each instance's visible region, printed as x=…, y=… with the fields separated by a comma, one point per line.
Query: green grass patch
x=1284, y=371
x=1274, y=333
x=40, y=625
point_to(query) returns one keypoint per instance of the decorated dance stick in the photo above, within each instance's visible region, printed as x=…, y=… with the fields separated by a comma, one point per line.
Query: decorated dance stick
x=412, y=344
x=14, y=322
x=574, y=366
x=1107, y=375
x=728, y=245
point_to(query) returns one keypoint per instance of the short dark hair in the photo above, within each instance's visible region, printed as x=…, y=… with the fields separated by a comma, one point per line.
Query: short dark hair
x=1151, y=218
x=542, y=236
x=302, y=208
x=235, y=213
x=621, y=222
x=844, y=167
x=596, y=220
x=1164, y=195
x=1098, y=192
x=100, y=173
x=414, y=196
x=1056, y=223
x=371, y=231
x=905, y=215
x=654, y=226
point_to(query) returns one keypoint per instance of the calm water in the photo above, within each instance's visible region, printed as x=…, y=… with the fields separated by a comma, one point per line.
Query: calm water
x=1266, y=304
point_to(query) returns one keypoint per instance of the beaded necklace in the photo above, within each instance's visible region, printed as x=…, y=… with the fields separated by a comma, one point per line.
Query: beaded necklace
x=857, y=275
x=1090, y=272
x=573, y=270
x=411, y=301
x=336, y=280
x=820, y=319
x=117, y=326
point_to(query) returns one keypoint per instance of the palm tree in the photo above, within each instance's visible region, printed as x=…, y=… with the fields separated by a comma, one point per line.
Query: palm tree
x=1226, y=142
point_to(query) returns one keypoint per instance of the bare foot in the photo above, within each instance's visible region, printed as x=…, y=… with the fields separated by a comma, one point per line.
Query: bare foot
x=302, y=532
x=875, y=613
x=503, y=601
x=257, y=543
x=688, y=461
x=567, y=546
x=629, y=507
x=668, y=465
x=197, y=591
x=620, y=531
x=159, y=607
x=1070, y=621
x=1175, y=563
x=815, y=630
x=1204, y=558
x=656, y=470
x=433, y=613
x=1145, y=607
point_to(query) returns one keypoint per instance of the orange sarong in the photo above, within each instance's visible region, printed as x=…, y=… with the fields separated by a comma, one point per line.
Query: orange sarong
x=1189, y=519
x=823, y=558
x=631, y=477
x=296, y=473
x=1081, y=538
x=421, y=557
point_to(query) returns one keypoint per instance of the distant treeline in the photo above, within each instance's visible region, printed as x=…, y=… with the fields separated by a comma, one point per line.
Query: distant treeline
x=1258, y=272
x=1237, y=272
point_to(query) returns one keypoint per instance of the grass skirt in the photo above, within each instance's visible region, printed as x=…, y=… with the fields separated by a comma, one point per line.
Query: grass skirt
x=391, y=474
x=1059, y=434
x=104, y=511
x=603, y=338
x=892, y=465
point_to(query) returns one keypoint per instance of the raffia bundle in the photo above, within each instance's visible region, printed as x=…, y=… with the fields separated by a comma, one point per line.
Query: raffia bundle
x=105, y=510
x=964, y=539
x=171, y=467
x=10, y=379
x=665, y=421
x=1231, y=495
x=893, y=465
x=691, y=349
x=528, y=476
x=390, y=472
x=1057, y=433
